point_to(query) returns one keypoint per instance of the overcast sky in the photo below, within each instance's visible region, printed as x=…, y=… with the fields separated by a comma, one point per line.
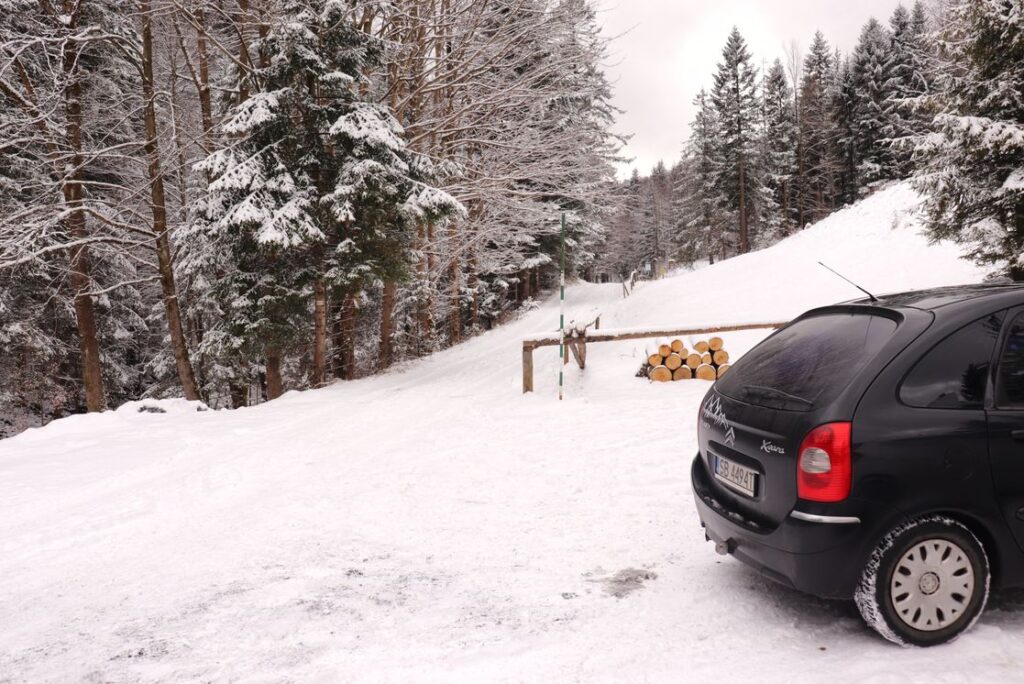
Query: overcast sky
x=668, y=50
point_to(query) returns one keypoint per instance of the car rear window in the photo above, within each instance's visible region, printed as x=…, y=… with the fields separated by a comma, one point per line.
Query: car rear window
x=806, y=364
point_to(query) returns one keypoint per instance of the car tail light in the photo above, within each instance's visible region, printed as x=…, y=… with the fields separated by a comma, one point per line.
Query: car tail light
x=823, y=471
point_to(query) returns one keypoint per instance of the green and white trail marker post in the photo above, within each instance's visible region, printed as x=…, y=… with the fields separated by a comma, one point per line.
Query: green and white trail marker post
x=561, y=314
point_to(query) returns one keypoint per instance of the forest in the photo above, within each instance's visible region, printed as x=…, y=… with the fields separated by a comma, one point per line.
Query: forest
x=225, y=200
x=934, y=94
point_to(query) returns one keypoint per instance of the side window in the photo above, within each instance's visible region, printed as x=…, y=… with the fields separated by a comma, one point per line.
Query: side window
x=1010, y=383
x=952, y=375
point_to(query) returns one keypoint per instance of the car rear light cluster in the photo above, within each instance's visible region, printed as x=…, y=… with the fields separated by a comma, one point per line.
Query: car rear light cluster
x=824, y=470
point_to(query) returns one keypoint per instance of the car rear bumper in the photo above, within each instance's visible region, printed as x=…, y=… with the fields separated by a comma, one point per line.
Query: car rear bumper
x=819, y=555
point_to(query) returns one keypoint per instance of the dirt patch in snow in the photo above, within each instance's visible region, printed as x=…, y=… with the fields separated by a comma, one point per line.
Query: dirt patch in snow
x=626, y=581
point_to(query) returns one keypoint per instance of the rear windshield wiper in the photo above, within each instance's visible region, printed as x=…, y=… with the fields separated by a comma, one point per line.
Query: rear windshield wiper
x=771, y=391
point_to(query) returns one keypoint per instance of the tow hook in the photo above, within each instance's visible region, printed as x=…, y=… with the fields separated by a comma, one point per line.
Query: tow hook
x=725, y=548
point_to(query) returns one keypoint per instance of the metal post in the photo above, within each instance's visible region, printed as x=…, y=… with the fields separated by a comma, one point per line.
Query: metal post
x=561, y=314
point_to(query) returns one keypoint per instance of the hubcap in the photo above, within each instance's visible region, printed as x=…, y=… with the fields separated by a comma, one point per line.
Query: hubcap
x=932, y=584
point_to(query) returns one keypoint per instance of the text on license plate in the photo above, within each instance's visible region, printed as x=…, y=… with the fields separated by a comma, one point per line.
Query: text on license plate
x=736, y=476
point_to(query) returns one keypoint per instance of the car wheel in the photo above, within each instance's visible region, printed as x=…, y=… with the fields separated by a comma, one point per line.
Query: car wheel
x=926, y=582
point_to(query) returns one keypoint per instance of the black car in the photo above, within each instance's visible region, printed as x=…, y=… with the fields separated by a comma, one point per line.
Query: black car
x=874, y=450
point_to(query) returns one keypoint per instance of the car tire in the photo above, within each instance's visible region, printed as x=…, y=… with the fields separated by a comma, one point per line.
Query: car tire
x=926, y=583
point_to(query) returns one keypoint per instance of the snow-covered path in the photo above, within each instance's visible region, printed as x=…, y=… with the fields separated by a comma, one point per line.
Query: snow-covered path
x=435, y=524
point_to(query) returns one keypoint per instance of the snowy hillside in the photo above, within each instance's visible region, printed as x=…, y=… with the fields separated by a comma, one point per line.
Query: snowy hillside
x=436, y=524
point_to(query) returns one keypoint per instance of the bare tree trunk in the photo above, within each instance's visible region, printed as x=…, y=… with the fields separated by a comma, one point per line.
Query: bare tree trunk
x=455, y=278
x=387, y=325
x=473, y=282
x=158, y=204
x=239, y=395
x=345, y=339
x=744, y=234
x=336, y=311
x=263, y=30
x=425, y=305
x=319, y=373
x=205, y=103
x=275, y=387
x=243, y=53
x=85, y=312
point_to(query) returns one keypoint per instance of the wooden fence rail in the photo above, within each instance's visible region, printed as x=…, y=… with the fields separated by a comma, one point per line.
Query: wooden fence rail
x=577, y=339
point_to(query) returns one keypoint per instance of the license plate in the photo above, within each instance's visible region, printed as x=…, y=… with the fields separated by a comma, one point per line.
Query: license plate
x=740, y=478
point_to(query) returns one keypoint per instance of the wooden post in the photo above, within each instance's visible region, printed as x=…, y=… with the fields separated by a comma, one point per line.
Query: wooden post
x=527, y=368
x=578, y=345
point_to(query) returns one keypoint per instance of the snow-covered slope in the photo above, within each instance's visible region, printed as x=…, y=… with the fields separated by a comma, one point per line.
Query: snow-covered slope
x=436, y=524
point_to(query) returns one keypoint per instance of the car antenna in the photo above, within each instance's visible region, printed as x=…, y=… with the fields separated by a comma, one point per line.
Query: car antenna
x=870, y=296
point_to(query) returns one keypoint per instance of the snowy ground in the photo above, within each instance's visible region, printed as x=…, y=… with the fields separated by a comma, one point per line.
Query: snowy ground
x=436, y=525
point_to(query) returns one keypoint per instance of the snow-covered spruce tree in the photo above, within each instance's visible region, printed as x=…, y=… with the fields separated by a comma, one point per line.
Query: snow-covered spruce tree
x=736, y=104
x=972, y=171
x=778, y=154
x=906, y=111
x=819, y=164
x=871, y=71
x=845, y=109
x=701, y=233
x=315, y=196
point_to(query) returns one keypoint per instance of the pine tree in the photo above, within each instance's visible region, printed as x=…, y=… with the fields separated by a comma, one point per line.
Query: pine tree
x=778, y=153
x=846, y=110
x=819, y=163
x=736, y=104
x=973, y=163
x=906, y=112
x=655, y=234
x=871, y=71
x=700, y=205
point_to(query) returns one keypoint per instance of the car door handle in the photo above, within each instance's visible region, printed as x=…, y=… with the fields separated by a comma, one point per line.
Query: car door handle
x=1017, y=435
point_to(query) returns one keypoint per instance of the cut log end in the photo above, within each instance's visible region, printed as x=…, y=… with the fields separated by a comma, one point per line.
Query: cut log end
x=664, y=349
x=705, y=358
x=655, y=359
x=682, y=373
x=706, y=372
x=673, y=361
x=715, y=343
x=721, y=357
x=701, y=347
x=660, y=374
x=678, y=347
x=723, y=369
x=693, y=360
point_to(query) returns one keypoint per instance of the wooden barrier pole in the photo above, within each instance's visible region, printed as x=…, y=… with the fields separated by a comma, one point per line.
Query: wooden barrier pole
x=527, y=368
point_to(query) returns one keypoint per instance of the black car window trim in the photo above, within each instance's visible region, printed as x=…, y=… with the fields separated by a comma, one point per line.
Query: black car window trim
x=993, y=362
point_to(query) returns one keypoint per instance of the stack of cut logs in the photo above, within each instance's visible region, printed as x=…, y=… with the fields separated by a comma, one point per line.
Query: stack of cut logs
x=673, y=361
